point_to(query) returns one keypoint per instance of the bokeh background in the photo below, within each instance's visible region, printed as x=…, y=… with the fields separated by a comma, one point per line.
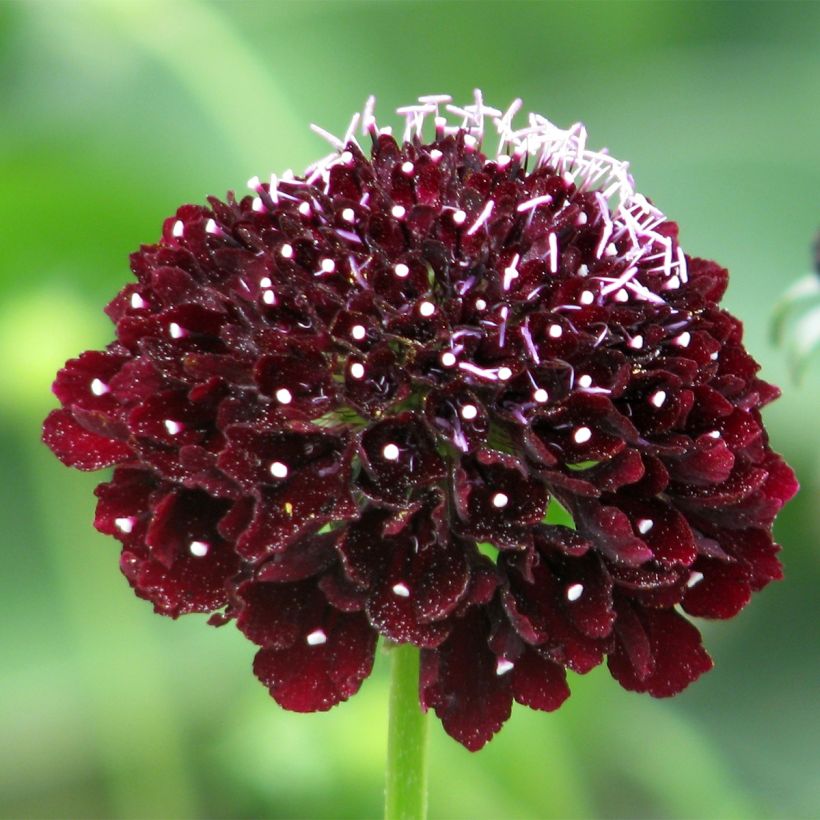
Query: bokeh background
x=112, y=115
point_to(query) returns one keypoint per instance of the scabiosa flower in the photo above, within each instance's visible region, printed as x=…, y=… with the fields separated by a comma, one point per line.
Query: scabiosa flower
x=347, y=405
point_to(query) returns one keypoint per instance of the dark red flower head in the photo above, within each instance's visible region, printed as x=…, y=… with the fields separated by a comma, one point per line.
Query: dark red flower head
x=484, y=404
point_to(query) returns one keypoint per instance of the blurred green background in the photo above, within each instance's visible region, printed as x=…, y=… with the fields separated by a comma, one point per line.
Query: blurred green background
x=115, y=113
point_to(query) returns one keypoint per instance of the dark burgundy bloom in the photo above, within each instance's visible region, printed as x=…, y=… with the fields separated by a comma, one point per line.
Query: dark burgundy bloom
x=361, y=403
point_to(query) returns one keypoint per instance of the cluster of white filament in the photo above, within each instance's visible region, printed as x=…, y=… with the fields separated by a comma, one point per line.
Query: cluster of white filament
x=630, y=220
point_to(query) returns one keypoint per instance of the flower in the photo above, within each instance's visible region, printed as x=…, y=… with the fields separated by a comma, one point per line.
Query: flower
x=484, y=404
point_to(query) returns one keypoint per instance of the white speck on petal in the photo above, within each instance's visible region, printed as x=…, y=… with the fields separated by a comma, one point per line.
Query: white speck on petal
x=401, y=590
x=407, y=168
x=587, y=297
x=585, y=380
x=684, y=339
x=540, y=395
x=357, y=370
x=173, y=427
x=125, y=525
x=574, y=592
x=427, y=308
x=137, y=301
x=398, y=211
x=199, y=549
x=469, y=412
x=459, y=217
x=401, y=270
x=391, y=452
x=480, y=304
x=503, y=666
x=269, y=298
x=286, y=251
x=556, y=331
x=448, y=359
x=328, y=265
x=582, y=435
x=178, y=229
x=694, y=579
x=279, y=470
x=504, y=373
x=645, y=525
x=316, y=638
x=500, y=500
x=99, y=388
x=636, y=342
x=175, y=331
x=358, y=332
x=284, y=396
x=349, y=215
x=658, y=398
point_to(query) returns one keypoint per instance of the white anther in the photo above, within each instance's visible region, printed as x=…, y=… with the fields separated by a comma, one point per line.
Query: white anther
x=178, y=229
x=284, y=396
x=611, y=250
x=199, y=549
x=137, y=302
x=459, y=217
x=407, y=168
x=480, y=304
x=286, y=251
x=673, y=283
x=448, y=359
x=644, y=525
x=257, y=205
x=574, y=592
x=125, y=525
x=582, y=435
x=427, y=309
x=503, y=666
x=553, y=244
x=358, y=332
x=401, y=590
x=345, y=158
x=504, y=373
x=357, y=370
x=391, y=452
x=173, y=427
x=398, y=211
x=469, y=412
x=269, y=298
x=211, y=226
x=510, y=273
x=265, y=282
x=328, y=265
x=582, y=219
x=658, y=398
x=503, y=161
x=349, y=215
x=684, y=339
x=695, y=578
x=636, y=342
x=279, y=470
x=316, y=638
x=555, y=331
x=587, y=297
x=401, y=270
x=622, y=296
x=583, y=270
x=585, y=380
x=175, y=331
x=713, y=356
x=304, y=208
x=540, y=395
x=436, y=155
x=714, y=434
x=500, y=500
x=99, y=388
x=254, y=184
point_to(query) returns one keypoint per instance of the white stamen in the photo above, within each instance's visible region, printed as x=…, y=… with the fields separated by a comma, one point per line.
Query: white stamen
x=713, y=356
x=436, y=155
x=99, y=388
x=583, y=270
x=469, y=412
x=173, y=427
x=504, y=373
x=553, y=243
x=482, y=218
x=448, y=359
x=211, y=226
x=644, y=525
x=500, y=500
x=398, y=211
x=279, y=470
x=199, y=549
x=540, y=395
x=345, y=158
x=694, y=579
x=401, y=590
x=257, y=205
x=658, y=398
x=621, y=296
x=265, y=282
x=401, y=270
x=587, y=297
x=611, y=250
x=349, y=215
x=585, y=380
x=175, y=331
x=427, y=309
x=391, y=452
x=328, y=265
x=574, y=592
x=714, y=434
x=304, y=208
x=510, y=273
x=358, y=332
x=684, y=339
x=459, y=217
x=137, y=301
x=407, y=168
x=178, y=229
x=316, y=638
x=555, y=331
x=286, y=251
x=357, y=370
x=531, y=204
x=480, y=304
x=503, y=666
x=125, y=525
x=582, y=435
x=636, y=342
x=269, y=298
x=284, y=396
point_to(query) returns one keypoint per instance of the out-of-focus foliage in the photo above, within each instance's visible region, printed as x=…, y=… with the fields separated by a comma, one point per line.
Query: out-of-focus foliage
x=113, y=114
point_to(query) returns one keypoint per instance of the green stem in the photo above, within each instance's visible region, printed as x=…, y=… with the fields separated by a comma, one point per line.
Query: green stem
x=406, y=791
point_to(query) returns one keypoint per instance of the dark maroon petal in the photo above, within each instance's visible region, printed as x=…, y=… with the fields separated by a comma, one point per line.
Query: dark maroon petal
x=538, y=683
x=716, y=590
x=460, y=682
x=275, y=615
x=77, y=447
x=321, y=668
x=676, y=651
x=611, y=532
